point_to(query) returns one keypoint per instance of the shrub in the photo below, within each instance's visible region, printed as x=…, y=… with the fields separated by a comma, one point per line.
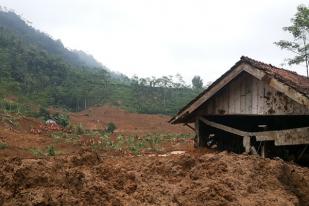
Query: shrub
x=79, y=129
x=51, y=151
x=58, y=134
x=36, y=152
x=3, y=145
x=110, y=128
x=44, y=113
x=61, y=119
x=134, y=150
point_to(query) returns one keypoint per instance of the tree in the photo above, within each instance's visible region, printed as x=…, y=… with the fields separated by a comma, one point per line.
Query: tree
x=197, y=82
x=300, y=31
x=180, y=83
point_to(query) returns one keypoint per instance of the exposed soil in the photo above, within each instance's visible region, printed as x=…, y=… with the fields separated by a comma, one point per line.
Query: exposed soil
x=20, y=137
x=126, y=122
x=186, y=179
x=80, y=175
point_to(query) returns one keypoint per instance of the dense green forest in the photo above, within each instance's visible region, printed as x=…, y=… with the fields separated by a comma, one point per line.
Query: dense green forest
x=36, y=68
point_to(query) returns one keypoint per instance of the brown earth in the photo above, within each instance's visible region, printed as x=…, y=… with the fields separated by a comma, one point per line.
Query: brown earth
x=20, y=140
x=126, y=122
x=80, y=175
x=16, y=133
x=88, y=178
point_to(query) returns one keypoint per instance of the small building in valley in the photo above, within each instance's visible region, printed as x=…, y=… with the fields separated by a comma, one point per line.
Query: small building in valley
x=252, y=107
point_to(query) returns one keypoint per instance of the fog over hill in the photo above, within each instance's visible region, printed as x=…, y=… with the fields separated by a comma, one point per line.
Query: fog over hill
x=41, y=69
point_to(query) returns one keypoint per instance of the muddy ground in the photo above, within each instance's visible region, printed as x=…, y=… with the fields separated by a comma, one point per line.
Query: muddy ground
x=89, y=178
x=128, y=123
x=177, y=174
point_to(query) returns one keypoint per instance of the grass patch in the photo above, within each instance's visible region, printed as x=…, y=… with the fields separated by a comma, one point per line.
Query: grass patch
x=137, y=145
x=49, y=151
x=79, y=129
x=36, y=152
x=111, y=127
x=58, y=135
x=3, y=146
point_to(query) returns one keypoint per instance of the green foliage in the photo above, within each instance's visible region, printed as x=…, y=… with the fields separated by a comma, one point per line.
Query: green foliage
x=110, y=128
x=300, y=32
x=61, y=119
x=79, y=129
x=3, y=146
x=14, y=107
x=38, y=68
x=135, y=149
x=197, y=83
x=58, y=135
x=36, y=152
x=51, y=150
x=138, y=145
x=44, y=113
x=155, y=95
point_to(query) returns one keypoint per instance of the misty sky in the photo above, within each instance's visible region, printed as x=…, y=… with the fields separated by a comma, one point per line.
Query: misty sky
x=162, y=37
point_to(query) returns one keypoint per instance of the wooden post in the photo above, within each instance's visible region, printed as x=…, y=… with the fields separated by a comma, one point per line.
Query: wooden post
x=246, y=143
x=189, y=126
x=302, y=153
x=263, y=149
x=197, y=132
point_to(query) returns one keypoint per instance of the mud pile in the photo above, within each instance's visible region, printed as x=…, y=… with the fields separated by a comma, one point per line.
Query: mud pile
x=210, y=179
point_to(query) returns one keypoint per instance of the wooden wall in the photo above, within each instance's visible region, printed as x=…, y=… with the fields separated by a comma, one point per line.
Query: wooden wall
x=248, y=95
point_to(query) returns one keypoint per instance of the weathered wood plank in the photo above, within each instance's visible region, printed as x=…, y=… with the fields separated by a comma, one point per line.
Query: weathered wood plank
x=246, y=143
x=248, y=95
x=281, y=137
x=213, y=91
x=254, y=72
x=248, y=92
x=237, y=97
x=292, y=136
x=242, y=97
x=255, y=96
x=297, y=103
x=197, y=130
x=265, y=137
x=224, y=127
x=290, y=92
x=188, y=125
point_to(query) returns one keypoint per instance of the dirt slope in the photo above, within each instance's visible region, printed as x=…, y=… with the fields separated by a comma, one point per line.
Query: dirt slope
x=19, y=139
x=210, y=179
x=17, y=135
x=81, y=175
x=126, y=122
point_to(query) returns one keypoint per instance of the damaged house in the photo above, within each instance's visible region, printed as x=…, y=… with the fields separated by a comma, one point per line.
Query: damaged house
x=253, y=107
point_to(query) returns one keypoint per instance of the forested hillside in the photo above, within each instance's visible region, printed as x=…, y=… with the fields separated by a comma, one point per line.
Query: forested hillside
x=34, y=67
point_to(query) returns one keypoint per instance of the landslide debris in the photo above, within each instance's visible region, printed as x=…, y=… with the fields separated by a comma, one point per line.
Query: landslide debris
x=87, y=178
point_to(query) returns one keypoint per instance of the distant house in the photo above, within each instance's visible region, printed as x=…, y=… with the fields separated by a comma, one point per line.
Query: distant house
x=252, y=106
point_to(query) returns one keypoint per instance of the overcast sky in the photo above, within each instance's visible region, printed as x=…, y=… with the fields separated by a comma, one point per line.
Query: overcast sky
x=162, y=37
